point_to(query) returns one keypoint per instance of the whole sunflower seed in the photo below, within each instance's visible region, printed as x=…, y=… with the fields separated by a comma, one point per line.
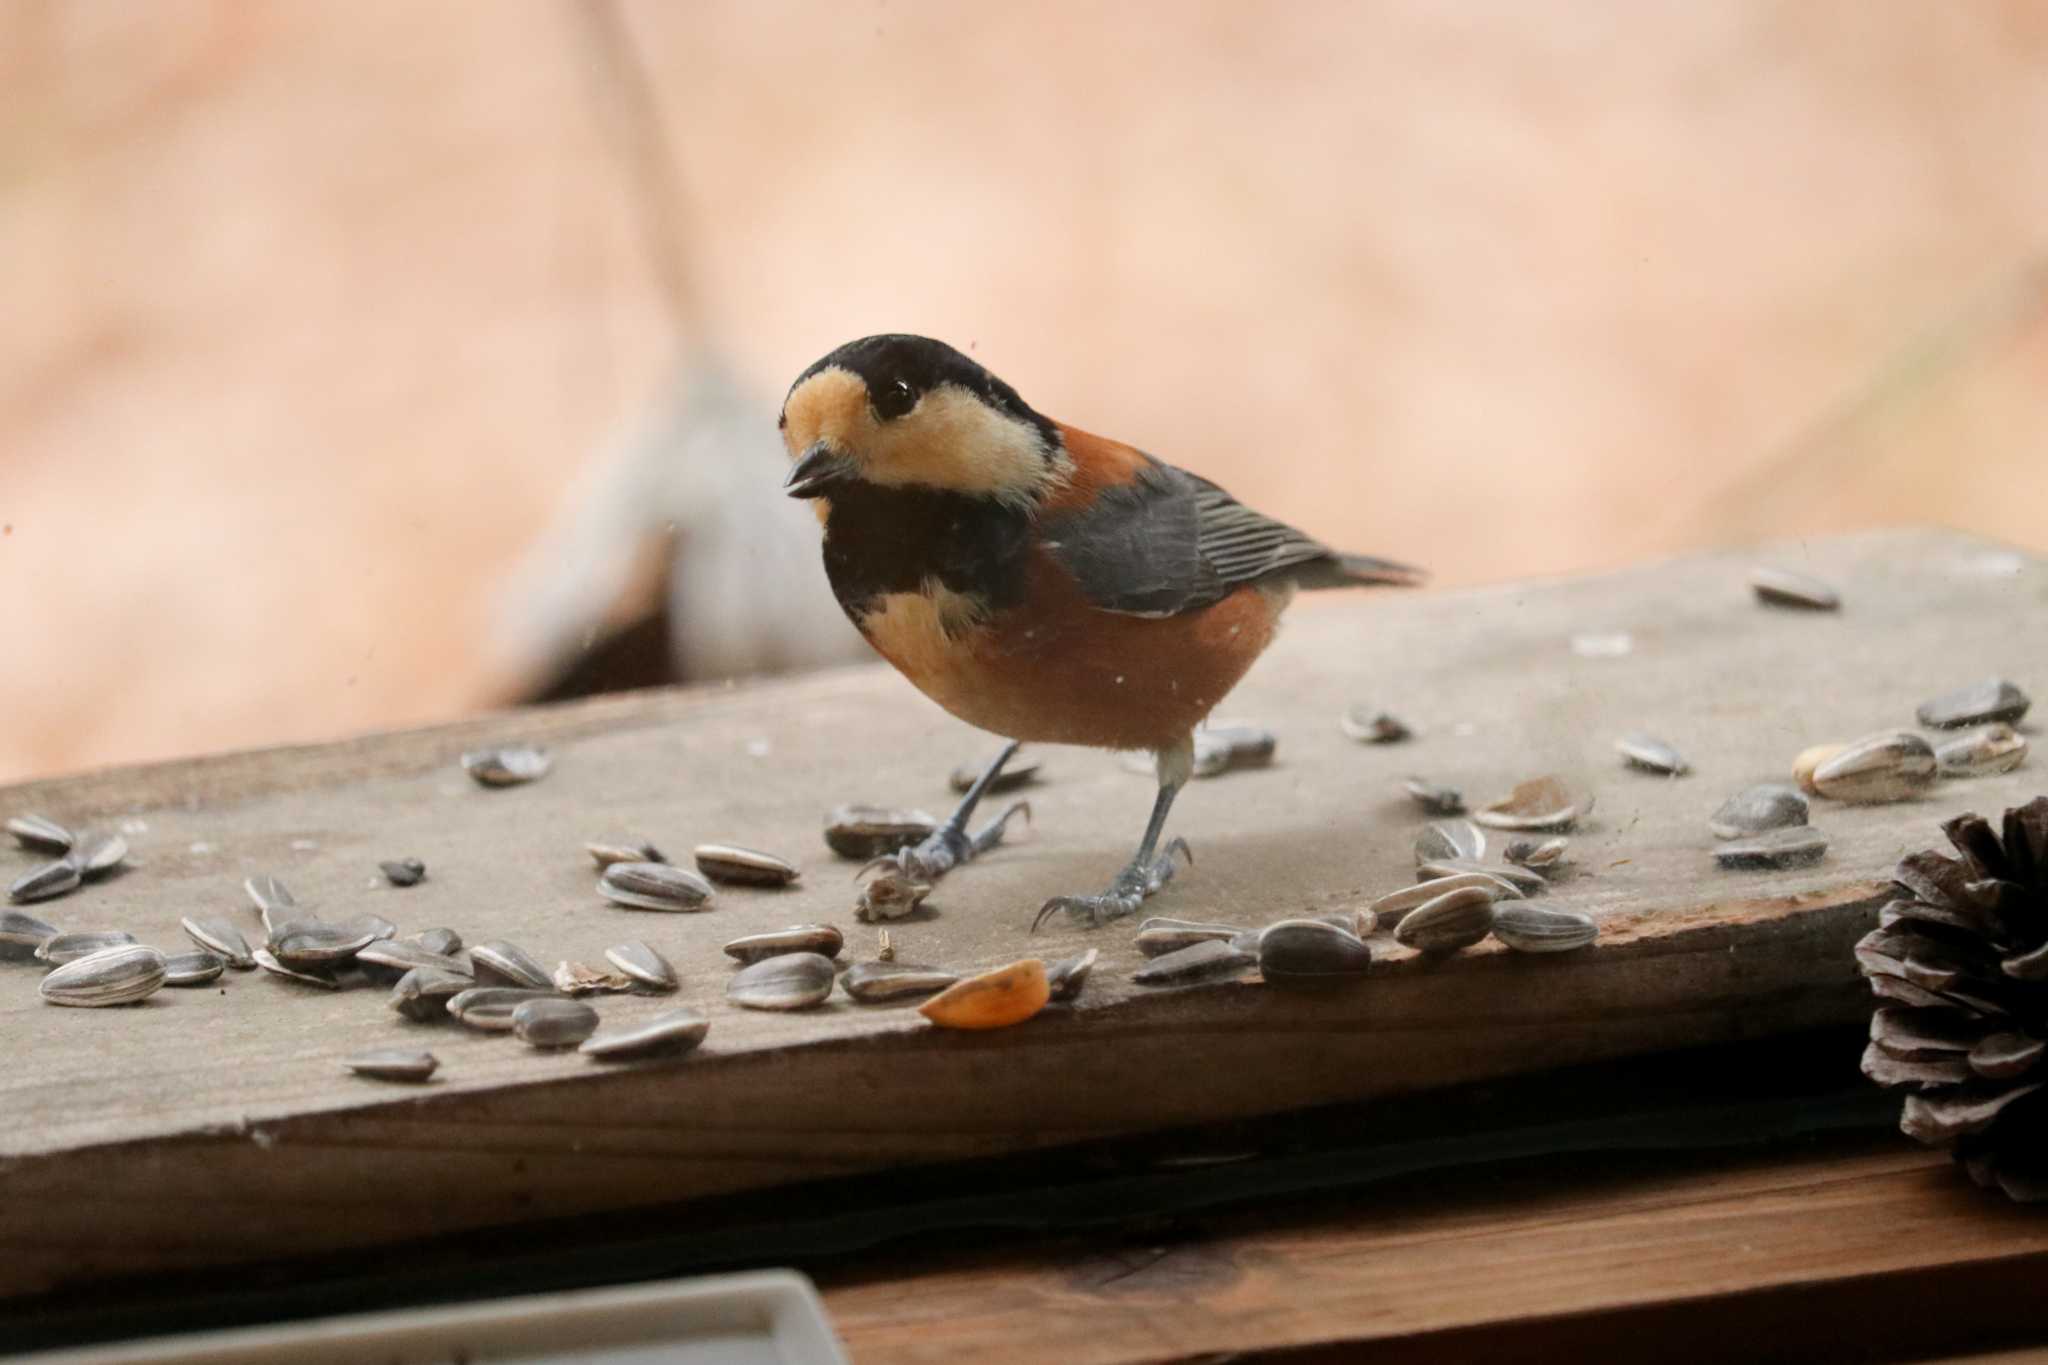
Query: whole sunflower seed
x=424, y=992
x=1538, y=855
x=1389, y=909
x=605, y=852
x=1454, y=920
x=59, y=949
x=577, y=978
x=670, y=1033
x=395, y=957
x=95, y=855
x=1159, y=936
x=1066, y=977
x=194, y=968
x=553, y=1022
x=393, y=1064
x=42, y=834
x=1797, y=846
x=218, y=936
x=1013, y=776
x=654, y=886
x=1368, y=726
x=119, y=975
x=1450, y=839
x=21, y=934
x=743, y=866
x=1783, y=588
x=1651, y=754
x=1544, y=804
x=865, y=832
x=1892, y=766
x=1521, y=878
x=1768, y=805
x=1209, y=960
x=45, y=883
x=1310, y=952
x=404, y=872
x=489, y=1008
x=1530, y=928
x=509, y=964
x=643, y=964
x=797, y=938
x=446, y=942
x=876, y=982
x=269, y=963
x=1434, y=797
x=506, y=767
x=1990, y=701
x=271, y=900
x=788, y=981
x=1982, y=753
x=311, y=945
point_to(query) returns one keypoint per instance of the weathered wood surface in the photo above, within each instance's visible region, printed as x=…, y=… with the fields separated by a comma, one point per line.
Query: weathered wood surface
x=1852, y=1249
x=217, y=1124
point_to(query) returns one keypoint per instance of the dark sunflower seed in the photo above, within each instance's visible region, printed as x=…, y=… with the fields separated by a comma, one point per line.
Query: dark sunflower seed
x=393, y=1064
x=1783, y=588
x=1066, y=977
x=1209, y=960
x=1983, y=703
x=59, y=949
x=553, y=1022
x=822, y=939
x=876, y=982
x=1309, y=952
x=507, y=767
x=489, y=1008
x=643, y=965
x=676, y=1031
x=509, y=964
x=21, y=934
x=654, y=886
x=1530, y=928
x=1768, y=805
x=42, y=834
x=45, y=883
x=218, y=936
x=193, y=968
x=1368, y=726
x=404, y=872
x=789, y=981
x=1777, y=848
x=424, y=992
x=865, y=832
x=119, y=975
x=605, y=852
x=1454, y=920
x=743, y=866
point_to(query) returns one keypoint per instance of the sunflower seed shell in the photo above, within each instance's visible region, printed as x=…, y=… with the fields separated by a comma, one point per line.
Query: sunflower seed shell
x=1982, y=753
x=59, y=949
x=1530, y=928
x=654, y=886
x=821, y=939
x=21, y=934
x=1799, y=846
x=41, y=834
x=787, y=981
x=645, y=966
x=1991, y=701
x=1768, y=805
x=506, y=767
x=674, y=1032
x=47, y=882
x=1652, y=755
x=114, y=976
x=1784, y=588
x=879, y=982
x=1454, y=920
x=489, y=1008
x=743, y=866
x=394, y=1064
x=502, y=963
x=1309, y=952
x=1065, y=978
x=1208, y=960
x=864, y=832
x=553, y=1022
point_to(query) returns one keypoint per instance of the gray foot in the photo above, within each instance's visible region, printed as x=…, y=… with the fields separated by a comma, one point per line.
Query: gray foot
x=1129, y=891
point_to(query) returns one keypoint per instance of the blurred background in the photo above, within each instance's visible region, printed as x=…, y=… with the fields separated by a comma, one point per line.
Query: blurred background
x=366, y=365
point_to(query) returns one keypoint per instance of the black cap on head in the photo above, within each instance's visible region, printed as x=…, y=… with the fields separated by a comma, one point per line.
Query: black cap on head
x=897, y=363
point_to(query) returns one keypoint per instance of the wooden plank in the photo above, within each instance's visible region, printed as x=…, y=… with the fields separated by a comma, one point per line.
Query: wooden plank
x=1847, y=1249
x=162, y=1125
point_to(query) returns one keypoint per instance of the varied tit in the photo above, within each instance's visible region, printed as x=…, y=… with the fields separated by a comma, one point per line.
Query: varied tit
x=1037, y=581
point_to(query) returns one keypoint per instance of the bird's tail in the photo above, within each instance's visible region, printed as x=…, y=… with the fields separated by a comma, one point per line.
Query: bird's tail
x=1355, y=571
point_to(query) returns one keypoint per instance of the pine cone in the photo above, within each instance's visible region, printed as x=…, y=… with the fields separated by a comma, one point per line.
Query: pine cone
x=1962, y=959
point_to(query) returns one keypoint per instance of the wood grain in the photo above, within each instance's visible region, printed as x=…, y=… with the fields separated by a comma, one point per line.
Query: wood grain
x=166, y=1126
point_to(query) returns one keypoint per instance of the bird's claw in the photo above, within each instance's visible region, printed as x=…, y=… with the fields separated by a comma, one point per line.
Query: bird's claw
x=944, y=849
x=1129, y=891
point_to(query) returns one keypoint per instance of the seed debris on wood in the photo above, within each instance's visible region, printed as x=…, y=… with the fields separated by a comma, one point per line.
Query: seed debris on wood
x=1528, y=928
x=996, y=999
x=788, y=981
x=120, y=975
x=1894, y=765
x=580, y=978
x=890, y=897
x=59, y=949
x=1547, y=856
x=874, y=983
x=644, y=965
x=1982, y=753
x=1651, y=755
x=1784, y=588
x=1454, y=920
x=1207, y=960
x=864, y=832
x=1434, y=797
x=668, y=1034
x=605, y=852
x=506, y=767
x=1989, y=702
x=822, y=939
x=743, y=866
x=1797, y=846
x=654, y=886
x=1542, y=804
x=553, y=1022
x=1013, y=776
x=394, y=1064
x=1369, y=726
x=404, y=871
x=1767, y=805
x=41, y=834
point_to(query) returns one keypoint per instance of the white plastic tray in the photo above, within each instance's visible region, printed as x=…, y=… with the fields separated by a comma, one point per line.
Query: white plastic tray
x=768, y=1317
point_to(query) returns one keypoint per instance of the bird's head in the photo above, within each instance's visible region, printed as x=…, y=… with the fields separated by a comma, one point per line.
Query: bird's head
x=904, y=411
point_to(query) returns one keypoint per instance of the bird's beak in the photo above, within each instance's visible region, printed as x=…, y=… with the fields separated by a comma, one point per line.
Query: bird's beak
x=819, y=468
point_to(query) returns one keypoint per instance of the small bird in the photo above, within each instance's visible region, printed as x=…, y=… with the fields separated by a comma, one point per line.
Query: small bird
x=1035, y=580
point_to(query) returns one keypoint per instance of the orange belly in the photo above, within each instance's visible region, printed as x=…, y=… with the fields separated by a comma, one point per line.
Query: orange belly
x=1059, y=670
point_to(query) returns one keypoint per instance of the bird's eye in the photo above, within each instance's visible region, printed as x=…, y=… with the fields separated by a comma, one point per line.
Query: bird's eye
x=894, y=399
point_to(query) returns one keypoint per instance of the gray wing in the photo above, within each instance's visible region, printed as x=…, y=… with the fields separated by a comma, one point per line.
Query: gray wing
x=1171, y=542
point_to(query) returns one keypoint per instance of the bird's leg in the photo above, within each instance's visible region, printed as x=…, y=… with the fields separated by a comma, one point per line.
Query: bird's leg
x=1150, y=868
x=950, y=845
